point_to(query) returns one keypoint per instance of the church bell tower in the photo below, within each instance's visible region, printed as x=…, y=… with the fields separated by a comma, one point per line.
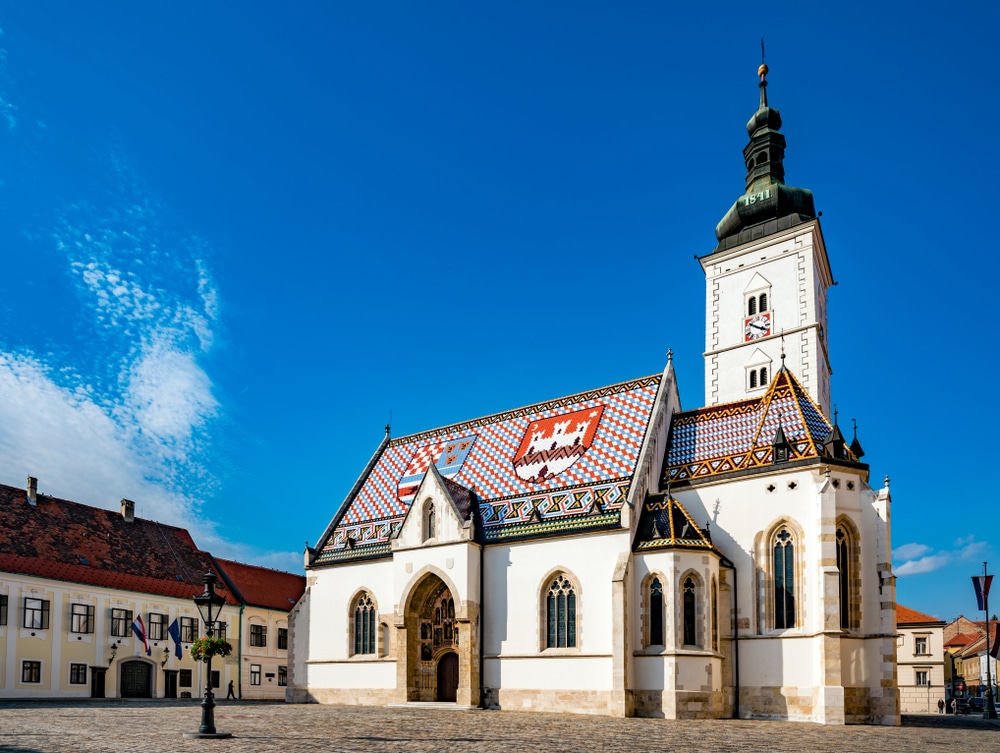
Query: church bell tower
x=767, y=278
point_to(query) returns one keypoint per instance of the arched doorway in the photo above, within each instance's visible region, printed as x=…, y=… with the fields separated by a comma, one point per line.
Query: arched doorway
x=136, y=680
x=432, y=623
x=447, y=677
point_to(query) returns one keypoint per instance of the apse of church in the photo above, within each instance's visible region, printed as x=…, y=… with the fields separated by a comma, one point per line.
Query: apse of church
x=607, y=552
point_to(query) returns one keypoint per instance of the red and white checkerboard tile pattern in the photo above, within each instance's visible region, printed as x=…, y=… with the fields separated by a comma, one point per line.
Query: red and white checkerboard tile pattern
x=489, y=468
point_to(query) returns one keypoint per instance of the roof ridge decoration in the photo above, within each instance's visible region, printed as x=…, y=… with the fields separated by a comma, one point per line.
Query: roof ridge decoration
x=552, y=467
x=739, y=436
x=558, y=402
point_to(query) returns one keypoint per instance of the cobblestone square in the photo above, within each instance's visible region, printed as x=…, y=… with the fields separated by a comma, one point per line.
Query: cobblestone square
x=127, y=726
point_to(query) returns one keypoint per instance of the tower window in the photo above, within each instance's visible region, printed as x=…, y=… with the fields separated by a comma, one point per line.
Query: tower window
x=763, y=375
x=763, y=302
x=753, y=379
x=762, y=158
x=752, y=305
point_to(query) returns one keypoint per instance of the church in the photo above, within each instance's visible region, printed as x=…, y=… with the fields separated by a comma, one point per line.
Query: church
x=610, y=553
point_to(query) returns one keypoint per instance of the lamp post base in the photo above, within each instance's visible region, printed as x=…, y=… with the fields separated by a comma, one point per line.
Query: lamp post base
x=207, y=735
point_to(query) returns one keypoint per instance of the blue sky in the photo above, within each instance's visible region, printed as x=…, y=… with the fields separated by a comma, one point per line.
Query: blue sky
x=236, y=237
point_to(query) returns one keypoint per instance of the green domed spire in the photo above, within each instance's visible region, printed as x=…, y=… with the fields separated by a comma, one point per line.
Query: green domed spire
x=768, y=204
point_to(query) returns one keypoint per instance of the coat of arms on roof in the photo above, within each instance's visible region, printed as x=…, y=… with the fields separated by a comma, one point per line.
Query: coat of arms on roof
x=551, y=445
x=448, y=456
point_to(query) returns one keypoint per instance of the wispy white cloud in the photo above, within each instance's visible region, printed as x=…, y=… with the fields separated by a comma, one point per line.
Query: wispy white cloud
x=915, y=558
x=922, y=565
x=910, y=551
x=127, y=408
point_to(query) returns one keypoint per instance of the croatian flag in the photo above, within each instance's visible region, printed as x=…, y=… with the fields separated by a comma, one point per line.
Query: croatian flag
x=175, y=633
x=139, y=628
x=982, y=585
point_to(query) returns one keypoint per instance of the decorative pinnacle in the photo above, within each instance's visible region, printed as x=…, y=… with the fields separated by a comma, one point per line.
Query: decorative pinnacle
x=762, y=71
x=670, y=355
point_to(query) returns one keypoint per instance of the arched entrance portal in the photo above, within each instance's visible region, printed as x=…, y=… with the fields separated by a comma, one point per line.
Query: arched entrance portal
x=431, y=620
x=447, y=677
x=136, y=680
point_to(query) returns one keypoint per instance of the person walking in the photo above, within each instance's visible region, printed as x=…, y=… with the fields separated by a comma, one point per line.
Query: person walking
x=231, y=693
x=940, y=705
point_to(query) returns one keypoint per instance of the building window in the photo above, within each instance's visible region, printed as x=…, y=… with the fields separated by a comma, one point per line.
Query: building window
x=656, y=613
x=220, y=630
x=923, y=677
x=77, y=674
x=81, y=618
x=430, y=521
x=3, y=609
x=36, y=613
x=756, y=304
x=121, y=620
x=31, y=671
x=157, y=626
x=216, y=679
x=282, y=639
x=920, y=646
x=688, y=608
x=184, y=678
x=255, y=674
x=763, y=376
x=715, y=616
x=282, y=676
x=188, y=627
x=848, y=565
x=753, y=379
x=258, y=636
x=784, y=580
x=364, y=625
x=561, y=613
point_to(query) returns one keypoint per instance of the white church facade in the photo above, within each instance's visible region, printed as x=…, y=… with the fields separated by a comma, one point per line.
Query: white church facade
x=611, y=553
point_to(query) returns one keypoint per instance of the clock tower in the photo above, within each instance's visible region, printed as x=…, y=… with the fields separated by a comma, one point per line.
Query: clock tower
x=767, y=278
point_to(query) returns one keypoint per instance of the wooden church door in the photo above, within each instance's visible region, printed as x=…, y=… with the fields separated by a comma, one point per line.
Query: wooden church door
x=447, y=677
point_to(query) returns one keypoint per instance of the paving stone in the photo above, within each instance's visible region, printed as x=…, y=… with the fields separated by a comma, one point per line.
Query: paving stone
x=149, y=726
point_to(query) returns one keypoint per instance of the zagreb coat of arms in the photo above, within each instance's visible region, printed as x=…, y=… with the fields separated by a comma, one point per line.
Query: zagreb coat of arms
x=551, y=445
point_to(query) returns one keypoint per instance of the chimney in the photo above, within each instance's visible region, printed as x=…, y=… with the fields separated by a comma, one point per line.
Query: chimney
x=128, y=510
x=32, y=491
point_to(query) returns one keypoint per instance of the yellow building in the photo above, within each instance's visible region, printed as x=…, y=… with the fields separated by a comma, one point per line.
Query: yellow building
x=79, y=585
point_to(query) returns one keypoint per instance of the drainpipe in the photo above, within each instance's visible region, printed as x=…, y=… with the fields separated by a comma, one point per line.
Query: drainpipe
x=239, y=656
x=482, y=625
x=724, y=562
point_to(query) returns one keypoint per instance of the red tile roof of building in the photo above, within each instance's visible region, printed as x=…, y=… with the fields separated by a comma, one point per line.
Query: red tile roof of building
x=907, y=616
x=960, y=639
x=67, y=541
x=261, y=586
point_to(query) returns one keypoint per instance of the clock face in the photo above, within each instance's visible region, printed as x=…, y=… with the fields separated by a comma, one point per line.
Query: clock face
x=756, y=327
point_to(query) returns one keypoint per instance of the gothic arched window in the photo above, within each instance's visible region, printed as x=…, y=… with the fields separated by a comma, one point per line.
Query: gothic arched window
x=364, y=624
x=560, y=611
x=689, y=616
x=848, y=556
x=655, y=613
x=784, y=580
x=715, y=616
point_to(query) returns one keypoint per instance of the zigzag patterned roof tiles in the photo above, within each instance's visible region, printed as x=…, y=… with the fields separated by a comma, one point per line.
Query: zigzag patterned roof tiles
x=550, y=462
x=738, y=436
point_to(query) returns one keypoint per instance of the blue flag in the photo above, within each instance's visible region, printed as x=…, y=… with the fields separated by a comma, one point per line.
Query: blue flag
x=175, y=633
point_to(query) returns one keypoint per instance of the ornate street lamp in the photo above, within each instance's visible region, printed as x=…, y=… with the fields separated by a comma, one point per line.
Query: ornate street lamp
x=209, y=606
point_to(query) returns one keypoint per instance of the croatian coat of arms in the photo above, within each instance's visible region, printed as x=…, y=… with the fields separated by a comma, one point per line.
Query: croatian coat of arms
x=551, y=445
x=448, y=456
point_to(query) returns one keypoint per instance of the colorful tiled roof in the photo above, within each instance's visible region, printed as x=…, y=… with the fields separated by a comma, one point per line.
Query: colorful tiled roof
x=261, y=586
x=907, y=616
x=557, y=465
x=665, y=524
x=738, y=436
x=71, y=542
